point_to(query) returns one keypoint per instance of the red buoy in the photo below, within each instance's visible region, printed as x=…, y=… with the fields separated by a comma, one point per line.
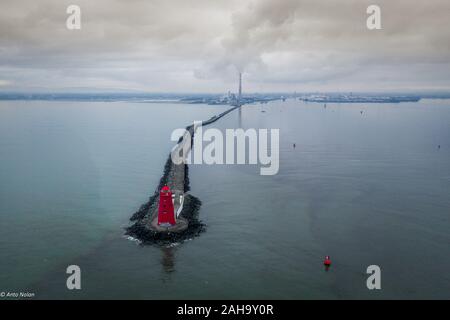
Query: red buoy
x=166, y=212
x=327, y=261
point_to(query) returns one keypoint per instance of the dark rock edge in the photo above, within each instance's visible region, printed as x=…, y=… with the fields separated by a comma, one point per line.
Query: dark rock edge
x=190, y=211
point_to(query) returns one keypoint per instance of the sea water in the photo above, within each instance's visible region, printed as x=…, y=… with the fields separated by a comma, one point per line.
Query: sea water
x=366, y=188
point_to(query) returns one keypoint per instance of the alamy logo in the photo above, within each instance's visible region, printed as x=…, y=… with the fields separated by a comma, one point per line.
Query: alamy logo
x=249, y=146
x=374, y=280
x=73, y=22
x=373, y=22
x=74, y=280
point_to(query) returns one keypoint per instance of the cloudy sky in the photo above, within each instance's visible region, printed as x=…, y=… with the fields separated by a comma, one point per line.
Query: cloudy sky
x=199, y=45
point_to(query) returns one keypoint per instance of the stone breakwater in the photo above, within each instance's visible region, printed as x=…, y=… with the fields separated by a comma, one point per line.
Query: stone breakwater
x=176, y=176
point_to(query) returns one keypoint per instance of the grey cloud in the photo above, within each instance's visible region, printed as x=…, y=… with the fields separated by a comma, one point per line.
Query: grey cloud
x=198, y=45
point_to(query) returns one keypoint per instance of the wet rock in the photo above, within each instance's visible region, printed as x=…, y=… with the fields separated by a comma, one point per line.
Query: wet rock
x=140, y=230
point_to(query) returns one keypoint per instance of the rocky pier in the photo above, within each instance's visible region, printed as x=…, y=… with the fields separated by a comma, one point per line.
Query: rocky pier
x=145, y=226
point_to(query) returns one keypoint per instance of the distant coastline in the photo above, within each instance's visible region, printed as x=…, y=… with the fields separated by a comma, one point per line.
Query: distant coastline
x=224, y=99
x=350, y=98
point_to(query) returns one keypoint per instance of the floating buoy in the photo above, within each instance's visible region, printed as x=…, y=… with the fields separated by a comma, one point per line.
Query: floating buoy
x=327, y=261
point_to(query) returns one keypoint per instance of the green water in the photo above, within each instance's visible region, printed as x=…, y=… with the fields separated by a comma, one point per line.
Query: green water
x=366, y=189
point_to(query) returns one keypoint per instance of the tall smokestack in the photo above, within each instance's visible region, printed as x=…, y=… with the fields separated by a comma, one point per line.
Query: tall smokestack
x=240, y=86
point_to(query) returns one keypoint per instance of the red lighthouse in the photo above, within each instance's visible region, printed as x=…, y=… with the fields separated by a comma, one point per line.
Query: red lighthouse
x=166, y=212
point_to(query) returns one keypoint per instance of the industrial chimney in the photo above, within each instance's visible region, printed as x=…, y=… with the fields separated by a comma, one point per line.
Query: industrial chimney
x=240, y=88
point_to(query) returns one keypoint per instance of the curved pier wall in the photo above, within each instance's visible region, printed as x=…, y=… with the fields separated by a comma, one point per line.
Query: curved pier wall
x=176, y=176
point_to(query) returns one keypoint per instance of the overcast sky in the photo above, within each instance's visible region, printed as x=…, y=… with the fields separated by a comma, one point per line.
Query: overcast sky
x=199, y=45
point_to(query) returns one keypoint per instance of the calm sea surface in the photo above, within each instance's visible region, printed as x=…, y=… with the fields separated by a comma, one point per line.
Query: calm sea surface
x=370, y=188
